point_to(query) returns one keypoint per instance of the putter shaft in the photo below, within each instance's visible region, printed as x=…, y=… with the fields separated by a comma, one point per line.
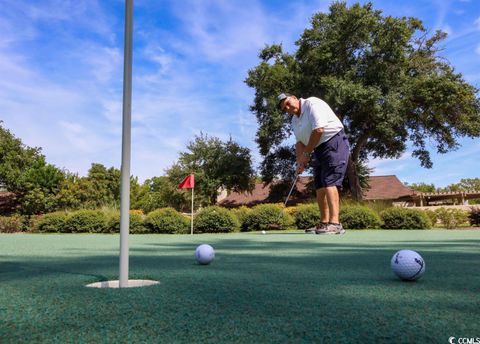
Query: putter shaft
x=291, y=189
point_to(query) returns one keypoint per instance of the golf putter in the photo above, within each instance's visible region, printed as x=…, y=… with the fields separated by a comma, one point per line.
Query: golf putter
x=291, y=189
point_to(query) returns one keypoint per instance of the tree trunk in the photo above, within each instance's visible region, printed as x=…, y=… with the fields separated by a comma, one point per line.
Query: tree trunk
x=353, y=180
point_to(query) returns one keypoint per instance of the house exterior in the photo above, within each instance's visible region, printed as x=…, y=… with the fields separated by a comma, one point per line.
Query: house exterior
x=261, y=192
x=389, y=189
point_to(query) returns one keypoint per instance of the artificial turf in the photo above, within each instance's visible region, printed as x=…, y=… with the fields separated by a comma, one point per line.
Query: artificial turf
x=274, y=288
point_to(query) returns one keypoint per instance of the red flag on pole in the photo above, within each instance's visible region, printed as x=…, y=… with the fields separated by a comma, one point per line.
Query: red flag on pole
x=188, y=182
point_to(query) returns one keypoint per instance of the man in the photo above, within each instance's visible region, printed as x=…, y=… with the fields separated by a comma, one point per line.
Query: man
x=320, y=133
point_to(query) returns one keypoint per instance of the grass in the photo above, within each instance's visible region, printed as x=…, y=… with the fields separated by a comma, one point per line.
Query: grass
x=274, y=288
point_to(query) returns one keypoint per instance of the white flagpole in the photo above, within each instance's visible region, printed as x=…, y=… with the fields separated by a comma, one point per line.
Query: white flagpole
x=126, y=145
x=191, y=221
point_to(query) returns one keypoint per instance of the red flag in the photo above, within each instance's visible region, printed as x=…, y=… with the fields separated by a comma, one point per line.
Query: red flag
x=188, y=182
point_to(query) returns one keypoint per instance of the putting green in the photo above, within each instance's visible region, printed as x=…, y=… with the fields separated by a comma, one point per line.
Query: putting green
x=273, y=288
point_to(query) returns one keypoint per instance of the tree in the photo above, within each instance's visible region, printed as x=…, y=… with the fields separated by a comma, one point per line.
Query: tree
x=470, y=184
x=466, y=184
x=159, y=192
x=23, y=171
x=381, y=75
x=216, y=164
x=422, y=187
x=15, y=159
x=103, y=186
x=38, y=187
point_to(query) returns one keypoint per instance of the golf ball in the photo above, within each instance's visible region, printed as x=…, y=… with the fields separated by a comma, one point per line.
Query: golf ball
x=204, y=254
x=263, y=232
x=408, y=265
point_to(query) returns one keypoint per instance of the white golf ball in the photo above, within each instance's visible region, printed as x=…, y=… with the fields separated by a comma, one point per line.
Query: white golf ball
x=204, y=254
x=408, y=265
x=263, y=232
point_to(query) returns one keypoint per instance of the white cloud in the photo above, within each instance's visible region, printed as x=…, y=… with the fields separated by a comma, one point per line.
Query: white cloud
x=390, y=166
x=186, y=80
x=105, y=63
x=477, y=23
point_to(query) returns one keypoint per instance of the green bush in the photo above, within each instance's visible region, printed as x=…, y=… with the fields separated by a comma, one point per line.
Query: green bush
x=30, y=222
x=307, y=216
x=86, y=221
x=241, y=213
x=451, y=218
x=167, y=221
x=474, y=216
x=432, y=215
x=135, y=226
x=10, y=224
x=405, y=218
x=266, y=217
x=52, y=222
x=215, y=219
x=359, y=217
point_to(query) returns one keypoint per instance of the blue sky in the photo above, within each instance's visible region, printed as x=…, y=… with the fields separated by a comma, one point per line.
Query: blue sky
x=61, y=65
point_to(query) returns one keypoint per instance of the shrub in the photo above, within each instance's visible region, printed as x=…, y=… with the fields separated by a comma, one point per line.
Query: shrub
x=215, y=219
x=307, y=216
x=30, y=222
x=10, y=224
x=52, y=222
x=167, y=221
x=291, y=210
x=432, y=216
x=359, y=217
x=451, y=218
x=405, y=218
x=241, y=213
x=86, y=221
x=136, y=225
x=265, y=217
x=474, y=216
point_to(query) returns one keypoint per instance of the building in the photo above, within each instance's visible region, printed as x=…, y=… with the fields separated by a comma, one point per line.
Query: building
x=387, y=189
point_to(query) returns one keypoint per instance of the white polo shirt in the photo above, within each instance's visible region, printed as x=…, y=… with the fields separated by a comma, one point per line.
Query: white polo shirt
x=315, y=113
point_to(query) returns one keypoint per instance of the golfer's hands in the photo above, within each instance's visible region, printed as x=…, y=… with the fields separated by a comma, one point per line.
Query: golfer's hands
x=301, y=163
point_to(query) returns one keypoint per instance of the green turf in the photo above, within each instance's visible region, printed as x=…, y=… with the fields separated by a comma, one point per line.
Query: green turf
x=274, y=288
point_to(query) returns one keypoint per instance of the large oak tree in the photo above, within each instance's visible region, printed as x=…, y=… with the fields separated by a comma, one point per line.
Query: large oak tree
x=383, y=76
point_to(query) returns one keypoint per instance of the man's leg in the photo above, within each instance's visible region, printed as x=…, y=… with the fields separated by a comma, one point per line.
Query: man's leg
x=333, y=201
x=324, y=215
x=323, y=205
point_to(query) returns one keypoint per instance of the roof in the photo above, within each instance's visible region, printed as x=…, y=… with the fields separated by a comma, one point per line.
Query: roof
x=386, y=188
x=260, y=194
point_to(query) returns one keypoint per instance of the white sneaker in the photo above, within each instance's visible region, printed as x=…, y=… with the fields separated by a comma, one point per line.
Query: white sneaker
x=333, y=228
x=313, y=230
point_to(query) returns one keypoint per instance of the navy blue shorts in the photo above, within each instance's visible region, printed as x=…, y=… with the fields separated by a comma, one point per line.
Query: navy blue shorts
x=330, y=161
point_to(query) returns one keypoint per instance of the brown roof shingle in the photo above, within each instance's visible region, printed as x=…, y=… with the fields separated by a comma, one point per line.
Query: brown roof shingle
x=386, y=188
x=260, y=194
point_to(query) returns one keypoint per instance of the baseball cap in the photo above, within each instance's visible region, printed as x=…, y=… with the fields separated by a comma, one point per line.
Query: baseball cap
x=281, y=97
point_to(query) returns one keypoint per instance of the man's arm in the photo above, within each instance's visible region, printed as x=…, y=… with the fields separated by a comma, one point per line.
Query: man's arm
x=303, y=152
x=313, y=140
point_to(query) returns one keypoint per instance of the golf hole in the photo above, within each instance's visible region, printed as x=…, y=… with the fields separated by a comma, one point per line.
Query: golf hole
x=116, y=284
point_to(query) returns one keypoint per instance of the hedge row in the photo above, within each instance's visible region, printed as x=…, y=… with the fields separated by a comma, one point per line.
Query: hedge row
x=220, y=220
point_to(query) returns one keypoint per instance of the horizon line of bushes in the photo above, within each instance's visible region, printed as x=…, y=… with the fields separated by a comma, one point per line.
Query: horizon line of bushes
x=215, y=219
